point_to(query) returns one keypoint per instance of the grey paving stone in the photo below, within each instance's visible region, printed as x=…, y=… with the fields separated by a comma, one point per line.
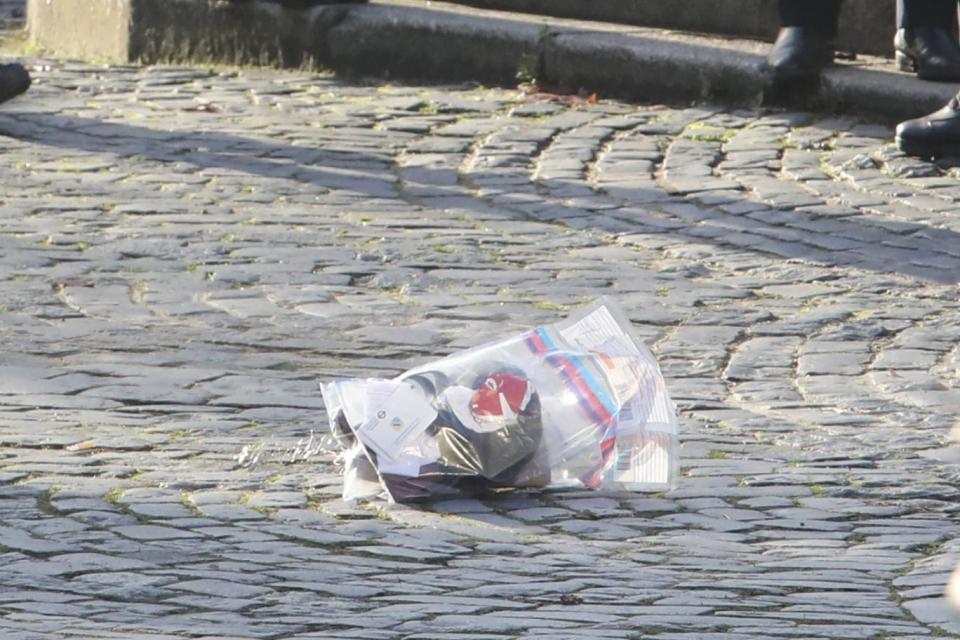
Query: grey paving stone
x=178, y=282
x=17, y=540
x=154, y=532
x=229, y=512
x=220, y=588
x=69, y=563
x=276, y=499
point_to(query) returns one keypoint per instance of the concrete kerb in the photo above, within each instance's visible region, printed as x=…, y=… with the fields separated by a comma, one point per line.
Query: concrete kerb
x=262, y=34
x=651, y=69
x=444, y=45
x=879, y=94
x=406, y=39
x=424, y=44
x=638, y=64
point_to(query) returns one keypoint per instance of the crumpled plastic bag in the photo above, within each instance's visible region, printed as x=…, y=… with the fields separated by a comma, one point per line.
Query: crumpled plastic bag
x=579, y=403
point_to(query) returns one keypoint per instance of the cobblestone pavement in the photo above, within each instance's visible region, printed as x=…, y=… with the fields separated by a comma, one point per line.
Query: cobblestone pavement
x=185, y=253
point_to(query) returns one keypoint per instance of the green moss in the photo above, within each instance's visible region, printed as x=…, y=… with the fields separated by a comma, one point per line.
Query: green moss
x=528, y=69
x=113, y=496
x=550, y=306
x=429, y=108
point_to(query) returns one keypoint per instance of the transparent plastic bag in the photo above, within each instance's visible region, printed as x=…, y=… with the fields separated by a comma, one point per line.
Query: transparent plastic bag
x=578, y=403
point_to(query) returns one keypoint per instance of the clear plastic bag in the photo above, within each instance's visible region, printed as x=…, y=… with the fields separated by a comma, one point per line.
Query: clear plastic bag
x=578, y=403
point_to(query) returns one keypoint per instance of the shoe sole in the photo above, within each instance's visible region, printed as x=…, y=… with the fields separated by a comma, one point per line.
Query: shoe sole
x=921, y=150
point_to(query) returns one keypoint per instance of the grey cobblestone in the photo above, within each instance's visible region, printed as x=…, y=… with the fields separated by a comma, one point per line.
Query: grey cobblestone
x=186, y=252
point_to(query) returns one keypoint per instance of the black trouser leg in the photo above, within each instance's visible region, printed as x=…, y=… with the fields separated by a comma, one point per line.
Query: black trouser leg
x=927, y=13
x=821, y=15
x=926, y=39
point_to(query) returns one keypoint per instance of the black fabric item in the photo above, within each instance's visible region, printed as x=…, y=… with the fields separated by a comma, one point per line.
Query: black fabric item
x=497, y=456
x=473, y=463
x=927, y=13
x=821, y=15
x=14, y=80
x=432, y=485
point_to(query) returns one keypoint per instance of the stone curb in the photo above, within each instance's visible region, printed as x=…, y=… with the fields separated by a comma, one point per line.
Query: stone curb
x=430, y=44
x=866, y=26
x=416, y=40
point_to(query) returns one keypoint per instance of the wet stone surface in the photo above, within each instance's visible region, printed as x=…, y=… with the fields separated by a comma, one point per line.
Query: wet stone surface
x=185, y=253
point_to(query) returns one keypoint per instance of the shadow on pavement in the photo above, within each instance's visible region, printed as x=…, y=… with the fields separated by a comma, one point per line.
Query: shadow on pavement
x=370, y=175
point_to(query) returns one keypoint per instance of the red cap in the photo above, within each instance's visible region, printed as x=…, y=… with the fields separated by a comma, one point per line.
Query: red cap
x=514, y=390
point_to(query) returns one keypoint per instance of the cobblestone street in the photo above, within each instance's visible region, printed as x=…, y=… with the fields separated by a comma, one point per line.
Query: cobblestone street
x=186, y=253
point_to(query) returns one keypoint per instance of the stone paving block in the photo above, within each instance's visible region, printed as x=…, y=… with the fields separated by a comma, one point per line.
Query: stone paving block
x=801, y=487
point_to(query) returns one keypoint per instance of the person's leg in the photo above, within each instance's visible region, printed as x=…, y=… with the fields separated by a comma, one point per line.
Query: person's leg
x=819, y=15
x=926, y=13
x=926, y=40
x=934, y=135
x=805, y=44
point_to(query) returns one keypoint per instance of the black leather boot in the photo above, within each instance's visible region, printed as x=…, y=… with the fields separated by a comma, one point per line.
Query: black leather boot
x=932, y=52
x=800, y=52
x=934, y=135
